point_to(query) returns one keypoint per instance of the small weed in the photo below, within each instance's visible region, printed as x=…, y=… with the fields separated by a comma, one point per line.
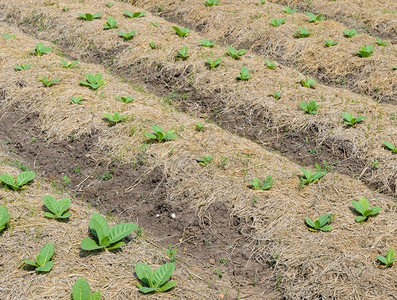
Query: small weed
x=276, y=95
x=199, y=126
x=219, y=272
x=8, y=36
x=171, y=253
x=152, y=45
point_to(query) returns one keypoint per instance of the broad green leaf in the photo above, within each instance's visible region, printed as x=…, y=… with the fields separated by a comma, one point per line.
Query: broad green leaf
x=120, y=231
x=95, y=296
x=49, y=215
x=64, y=205
x=115, y=246
x=367, y=212
x=8, y=180
x=163, y=273
x=150, y=135
x=81, y=290
x=390, y=146
x=382, y=259
x=375, y=210
x=4, y=216
x=390, y=255
x=317, y=176
x=147, y=290
x=326, y=228
x=157, y=129
x=364, y=202
x=24, y=177
x=46, y=268
x=52, y=204
x=30, y=262
x=64, y=216
x=317, y=224
x=360, y=219
x=359, y=207
x=89, y=244
x=310, y=222
x=99, y=228
x=347, y=116
x=170, y=136
x=307, y=173
x=45, y=254
x=324, y=219
x=144, y=273
x=169, y=285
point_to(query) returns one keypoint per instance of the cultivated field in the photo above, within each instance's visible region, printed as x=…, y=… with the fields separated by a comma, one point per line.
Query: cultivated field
x=193, y=192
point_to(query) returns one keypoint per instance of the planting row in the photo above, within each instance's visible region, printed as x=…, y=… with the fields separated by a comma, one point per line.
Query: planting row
x=272, y=214
x=237, y=106
x=377, y=17
x=322, y=48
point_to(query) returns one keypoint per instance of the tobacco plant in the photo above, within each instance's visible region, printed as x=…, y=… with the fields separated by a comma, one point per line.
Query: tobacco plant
x=49, y=82
x=107, y=237
x=127, y=35
x=302, y=33
x=236, y=54
x=270, y=64
x=308, y=82
x=182, y=53
x=22, y=67
x=330, y=43
x=213, y=63
x=211, y=2
x=155, y=281
x=321, y=223
x=257, y=184
x=362, y=207
x=69, y=65
x=390, y=146
x=4, y=217
x=82, y=291
x=289, y=10
x=244, y=74
x=114, y=118
x=93, y=81
x=207, y=43
x=43, y=261
x=18, y=183
x=77, y=100
x=277, y=22
x=58, y=209
x=365, y=51
x=276, y=95
x=349, y=33
x=159, y=135
x=314, y=18
x=89, y=17
x=379, y=42
x=138, y=14
x=388, y=259
x=182, y=32
x=40, y=49
x=123, y=99
x=206, y=160
x=8, y=36
x=152, y=45
x=199, y=126
x=349, y=120
x=309, y=107
x=309, y=177
x=111, y=23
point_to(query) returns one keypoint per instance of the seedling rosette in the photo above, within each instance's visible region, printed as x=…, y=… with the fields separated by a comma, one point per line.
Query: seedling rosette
x=115, y=118
x=109, y=238
x=365, y=51
x=207, y=43
x=93, y=81
x=18, y=183
x=43, y=261
x=309, y=107
x=213, y=63
x=111, y=23
x=182, y=32
x=244, y=74
x=40, y=49
x=127, y=35
x=362, y=207
x=349, y=120
x=263, y=185
x=58, y=209
x=309, y=177
x=388, y=259
x=22, y=67
x=236, y=54
x=159, y=135
x=155, y=281
x=138, y=14
x=82, y=291
x=89, y=17
x=321, y=223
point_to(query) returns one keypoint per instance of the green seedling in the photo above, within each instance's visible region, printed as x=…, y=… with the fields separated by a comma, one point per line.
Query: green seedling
x=236, y=54
x=18, y=183
x=77, y=100
x=182, y=32
x=213, y=63
x=152, y=45
x=289, y=10
x=263, y=185
x=58, y=209
x=182, y=53
x=127, y=35
x=330, y=43
x=199, y=126
x=155, y=24
x=308, y=82
x=171, y=252
x=277, y=22
x=270, y=64
x=4, y=217
x=47, y=82
x=206, y=160
x=365, y=51
x=93, y=81
x=244, y=74
x=89, y=17
x=40, y=49
x=309, y=107
x=82, y=291
x=43, y=261
x=159, y=135
x=276, y=95
x=379, y=42
x=349, y=120
x=22, y=67
x=207, y=43
x=349, y=33
x=394, y=68
x=321, y=223
x=114, y=118
x=362, y=206
x=69, y=65
x=389, y=259
x=302, y=33
x=108, y=238
x=111, y=23
x=138, y=14
x=390, y=146
x=155, y=281
x=309, y=177
x=110, y=4
x=127, y=99
x=211, y=2
x=314, y=18
x=8, y=36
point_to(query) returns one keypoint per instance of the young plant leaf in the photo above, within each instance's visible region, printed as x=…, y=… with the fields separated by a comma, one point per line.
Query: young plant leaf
x=182, y=32
x=82, y=291
x=58, y=208
x=390, y=146
x=4, y=217
x=43, y=259
x=207, y=43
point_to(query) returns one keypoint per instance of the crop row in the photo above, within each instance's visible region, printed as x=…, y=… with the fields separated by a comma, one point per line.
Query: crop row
x=258, y=108
x=298, y=41
x=275, y=214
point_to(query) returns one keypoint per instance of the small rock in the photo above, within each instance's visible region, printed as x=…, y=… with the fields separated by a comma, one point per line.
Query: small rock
x=221, y=296
x=157, y=215
x=212, y=261
x=173, y=216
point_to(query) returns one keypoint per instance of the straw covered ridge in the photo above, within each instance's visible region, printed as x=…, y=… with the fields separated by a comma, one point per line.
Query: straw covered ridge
x=338, y=264
x=237, y=106
x=248, y=27
x=110, y=272
x=377, y=17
